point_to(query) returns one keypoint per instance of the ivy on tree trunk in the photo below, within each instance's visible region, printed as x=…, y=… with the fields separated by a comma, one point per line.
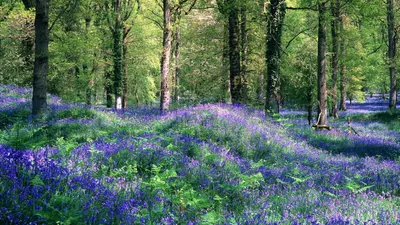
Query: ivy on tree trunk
x=276, y=15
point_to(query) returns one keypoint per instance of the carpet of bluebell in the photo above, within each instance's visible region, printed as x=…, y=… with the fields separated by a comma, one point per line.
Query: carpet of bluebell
x=206, y=164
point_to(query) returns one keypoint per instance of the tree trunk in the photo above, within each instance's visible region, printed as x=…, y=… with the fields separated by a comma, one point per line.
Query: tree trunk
x=118, y=68
x=226, y=86
x=322, y=92
x=277, y=10
x=245, y=48
x=392, y=53
x=125, y=66
x=335, y=11
x=177, y=58
x=85, y=67
x=343, y=78
x=166, y=56
x=29, y=4
x=41, y=66
x=108, y=88
x=234, y=55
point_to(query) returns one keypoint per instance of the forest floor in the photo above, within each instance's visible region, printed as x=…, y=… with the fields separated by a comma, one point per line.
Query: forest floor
x=208, y=164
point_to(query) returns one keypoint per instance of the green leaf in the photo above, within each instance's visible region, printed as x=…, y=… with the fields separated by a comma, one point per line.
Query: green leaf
x=37, y=181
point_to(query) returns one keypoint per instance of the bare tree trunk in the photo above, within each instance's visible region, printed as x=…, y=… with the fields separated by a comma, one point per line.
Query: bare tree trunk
x=41, y=66
x=234, y=55
x=245, y=48
x=343, y=78
x=29, y=4
x=85, y=67
x=277, y=10
x=322, y=92
x=166, y=56
x=335, y=11
x=177, y=58
x=392, y=53
x=125, y=46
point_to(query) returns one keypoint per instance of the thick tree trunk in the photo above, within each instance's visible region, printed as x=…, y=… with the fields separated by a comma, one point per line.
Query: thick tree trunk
x=118, y=67
x=177, y=59
x=166, y=57
x=226, y=86
x=29, y=4
x=322, y=92
x=125, y=67
x=234, y=55
x=245, y=48
x=41, y=66
x=108, y=88
x=343, y=78
x=335, y=11
x=277, y=10
x=392, y=53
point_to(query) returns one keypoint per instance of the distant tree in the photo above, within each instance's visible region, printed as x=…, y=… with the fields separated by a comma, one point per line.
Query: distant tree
x=41, y=66
x=392, y=45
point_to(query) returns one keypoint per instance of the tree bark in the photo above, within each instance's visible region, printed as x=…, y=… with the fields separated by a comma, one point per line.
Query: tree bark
x=29, y=4
x=343, y=78
x=125, y=46
x=245, y=48
x=177, y=58
x=322, y=92
x=234, y=55
x=277, y=10
x=226, y=86
x=166, y=57
x=108, y=88
x=117, y=50
x=41, y=66
x=392, y=53
x=335, y=11
x=85, y=66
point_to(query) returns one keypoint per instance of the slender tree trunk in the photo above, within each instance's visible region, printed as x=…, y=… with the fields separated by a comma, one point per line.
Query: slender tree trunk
x=322, y=92
x=335, y=11
x=166, y=57
x=41, y=66
x=392, y=53
x=118, y=54
x=234, y=55
x=85, y=67
x=177, y=58
x=343, y=78
x=245, y=48
x=277, y=10
x=125, y=45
